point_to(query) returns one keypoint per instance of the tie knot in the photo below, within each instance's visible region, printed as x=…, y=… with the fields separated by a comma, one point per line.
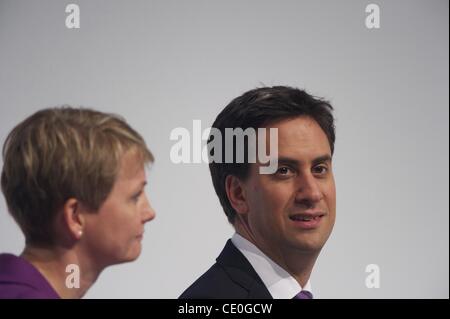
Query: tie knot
x=304, y=294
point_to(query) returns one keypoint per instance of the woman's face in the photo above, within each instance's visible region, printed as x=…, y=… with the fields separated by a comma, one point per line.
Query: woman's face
x=114, y=233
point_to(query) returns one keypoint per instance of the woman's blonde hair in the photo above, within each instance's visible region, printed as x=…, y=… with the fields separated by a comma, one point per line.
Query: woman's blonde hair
x=61, y=153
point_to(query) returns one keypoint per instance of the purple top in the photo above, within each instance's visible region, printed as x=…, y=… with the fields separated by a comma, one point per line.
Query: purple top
x=20, y=279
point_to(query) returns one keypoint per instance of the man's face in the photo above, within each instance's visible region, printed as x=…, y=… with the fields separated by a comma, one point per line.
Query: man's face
x=114, y=233
x=294, y=208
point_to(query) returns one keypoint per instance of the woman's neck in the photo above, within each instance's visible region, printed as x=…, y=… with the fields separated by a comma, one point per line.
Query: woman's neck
x=68, y=282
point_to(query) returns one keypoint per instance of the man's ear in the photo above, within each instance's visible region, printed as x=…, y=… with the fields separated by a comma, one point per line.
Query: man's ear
x=236, y=194
x=73, y=218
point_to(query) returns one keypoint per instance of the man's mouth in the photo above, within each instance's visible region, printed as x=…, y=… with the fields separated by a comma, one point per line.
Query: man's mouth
x=307, y=221
x=305, y=218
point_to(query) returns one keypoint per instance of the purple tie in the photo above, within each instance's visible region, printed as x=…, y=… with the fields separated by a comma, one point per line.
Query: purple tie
x=304, y=294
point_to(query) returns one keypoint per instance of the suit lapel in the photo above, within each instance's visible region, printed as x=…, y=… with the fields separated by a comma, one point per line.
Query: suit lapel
x=242, y=272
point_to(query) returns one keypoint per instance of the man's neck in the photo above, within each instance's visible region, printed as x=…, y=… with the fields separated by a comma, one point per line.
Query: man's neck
x=52, y=264
x=297, y=263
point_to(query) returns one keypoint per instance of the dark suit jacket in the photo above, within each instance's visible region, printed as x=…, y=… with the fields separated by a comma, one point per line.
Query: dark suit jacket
x=231, y=277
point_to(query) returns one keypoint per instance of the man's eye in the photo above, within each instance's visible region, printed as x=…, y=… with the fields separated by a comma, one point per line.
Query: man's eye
x=283, y=170
x=321, y=169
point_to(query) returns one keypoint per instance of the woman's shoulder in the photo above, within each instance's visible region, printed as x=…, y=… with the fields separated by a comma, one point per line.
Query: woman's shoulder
x=20, y=279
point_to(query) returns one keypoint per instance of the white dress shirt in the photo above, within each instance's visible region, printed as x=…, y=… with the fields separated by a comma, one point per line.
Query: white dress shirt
x=278, y=281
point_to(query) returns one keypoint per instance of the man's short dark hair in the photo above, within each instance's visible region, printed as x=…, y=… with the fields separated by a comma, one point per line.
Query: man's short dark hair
x=257, y=109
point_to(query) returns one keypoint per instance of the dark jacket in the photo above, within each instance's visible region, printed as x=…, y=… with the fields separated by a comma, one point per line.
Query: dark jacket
x=231, y=277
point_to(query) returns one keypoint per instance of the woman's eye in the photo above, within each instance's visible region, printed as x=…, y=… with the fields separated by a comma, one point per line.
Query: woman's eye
x=136, y=197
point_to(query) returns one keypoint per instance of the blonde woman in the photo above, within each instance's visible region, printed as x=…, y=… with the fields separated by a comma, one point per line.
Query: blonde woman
x=73, y=180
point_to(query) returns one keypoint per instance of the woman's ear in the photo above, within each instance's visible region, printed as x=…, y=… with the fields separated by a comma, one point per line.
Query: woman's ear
x=73, y=217
x=236, y=194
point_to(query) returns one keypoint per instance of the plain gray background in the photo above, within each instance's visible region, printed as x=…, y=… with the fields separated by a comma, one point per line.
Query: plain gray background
x=161, y=64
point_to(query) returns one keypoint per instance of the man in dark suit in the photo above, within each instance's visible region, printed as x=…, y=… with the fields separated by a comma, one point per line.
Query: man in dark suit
x=282, y=216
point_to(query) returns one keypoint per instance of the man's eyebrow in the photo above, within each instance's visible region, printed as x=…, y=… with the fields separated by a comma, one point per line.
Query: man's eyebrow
x=294, y=162
x=322, y=159
x=288, y=161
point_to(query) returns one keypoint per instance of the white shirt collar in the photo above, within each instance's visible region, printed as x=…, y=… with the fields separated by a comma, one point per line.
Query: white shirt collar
x=278, y=281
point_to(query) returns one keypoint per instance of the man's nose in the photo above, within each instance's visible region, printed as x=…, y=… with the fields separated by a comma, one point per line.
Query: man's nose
x=308, y=192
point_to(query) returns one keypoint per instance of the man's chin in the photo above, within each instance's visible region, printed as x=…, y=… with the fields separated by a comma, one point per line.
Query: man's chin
x=308, y=245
